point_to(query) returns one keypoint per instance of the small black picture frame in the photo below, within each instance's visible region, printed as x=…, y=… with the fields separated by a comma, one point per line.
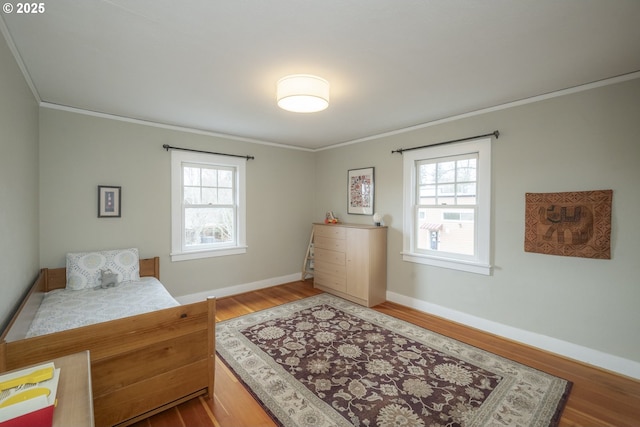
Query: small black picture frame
x=109, y=201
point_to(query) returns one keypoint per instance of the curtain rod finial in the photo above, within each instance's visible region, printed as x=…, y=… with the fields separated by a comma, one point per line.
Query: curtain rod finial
x=166, y=147
x=496, y=134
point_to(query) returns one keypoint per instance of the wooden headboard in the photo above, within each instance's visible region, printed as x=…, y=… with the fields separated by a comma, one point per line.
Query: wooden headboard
x=56, y=278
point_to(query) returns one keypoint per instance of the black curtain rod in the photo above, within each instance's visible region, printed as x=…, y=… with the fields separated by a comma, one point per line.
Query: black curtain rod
x=169, y=147
x=401, y=150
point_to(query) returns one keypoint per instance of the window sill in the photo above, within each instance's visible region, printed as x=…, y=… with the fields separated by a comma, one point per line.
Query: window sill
x=470, y=267
x=207, y=253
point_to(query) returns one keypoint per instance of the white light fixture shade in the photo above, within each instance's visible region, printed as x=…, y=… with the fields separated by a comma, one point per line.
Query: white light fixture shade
x=303, y=93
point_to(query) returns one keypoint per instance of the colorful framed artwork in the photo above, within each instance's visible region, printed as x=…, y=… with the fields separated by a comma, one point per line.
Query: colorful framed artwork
x=109, y=201
x=360, y=183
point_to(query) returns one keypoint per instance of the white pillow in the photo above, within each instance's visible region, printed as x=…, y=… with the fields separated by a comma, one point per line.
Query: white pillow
x=83, y=268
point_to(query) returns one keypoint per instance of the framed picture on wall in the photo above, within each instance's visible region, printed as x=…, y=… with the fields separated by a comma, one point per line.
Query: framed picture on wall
x=360, y=191
x=109, y=199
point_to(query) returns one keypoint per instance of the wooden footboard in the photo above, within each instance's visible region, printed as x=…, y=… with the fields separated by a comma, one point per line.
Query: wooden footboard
x=140, y=365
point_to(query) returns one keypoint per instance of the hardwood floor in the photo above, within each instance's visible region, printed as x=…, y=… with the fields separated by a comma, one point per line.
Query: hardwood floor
x=598, y=397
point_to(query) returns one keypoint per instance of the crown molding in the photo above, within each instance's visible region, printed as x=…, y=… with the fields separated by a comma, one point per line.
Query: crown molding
x=166, y=126
x=524, y=101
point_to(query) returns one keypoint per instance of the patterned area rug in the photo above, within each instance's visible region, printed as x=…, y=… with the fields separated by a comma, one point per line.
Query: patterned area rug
x=324, y=361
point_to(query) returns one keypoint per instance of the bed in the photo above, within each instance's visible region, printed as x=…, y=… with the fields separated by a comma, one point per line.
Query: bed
x=140, y=365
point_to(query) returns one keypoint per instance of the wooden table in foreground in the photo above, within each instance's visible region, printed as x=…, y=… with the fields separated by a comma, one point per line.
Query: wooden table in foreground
x=74, y=396
x=75, y=400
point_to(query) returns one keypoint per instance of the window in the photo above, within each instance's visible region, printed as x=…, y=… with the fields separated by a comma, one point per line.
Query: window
x=447, y=206
x=207, y=205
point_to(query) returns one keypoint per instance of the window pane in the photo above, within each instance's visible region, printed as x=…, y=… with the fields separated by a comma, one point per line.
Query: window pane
x=427, y=201
x=466, y=170
x=427, y=195
x=466, y=189
x=209, y=177
x=448, y=231
x=466, y=200
x=209, y=196
x=208, y=225
x=427, y=190
x=446, y=172
x=191, y=195
x=446, y=190
x=225, y=178
x=191, y=176
x=225, y=196
x=427, y=173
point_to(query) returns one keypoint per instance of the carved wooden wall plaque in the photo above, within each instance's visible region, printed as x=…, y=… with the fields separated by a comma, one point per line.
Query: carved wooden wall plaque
x=570, y=224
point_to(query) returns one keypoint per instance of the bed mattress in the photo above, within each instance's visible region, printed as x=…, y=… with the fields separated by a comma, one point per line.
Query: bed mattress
x=64, y=309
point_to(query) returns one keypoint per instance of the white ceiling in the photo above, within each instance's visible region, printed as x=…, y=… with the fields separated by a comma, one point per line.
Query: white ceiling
x=213, y=64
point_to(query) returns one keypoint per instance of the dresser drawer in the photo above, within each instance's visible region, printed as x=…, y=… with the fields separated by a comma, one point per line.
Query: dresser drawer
x=328, y=256
x=329, y=268
x=330, y=243
x=330, y=281
x=332, y=231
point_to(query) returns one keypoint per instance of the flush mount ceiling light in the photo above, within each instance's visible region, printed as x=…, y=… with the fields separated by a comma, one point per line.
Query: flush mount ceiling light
x=303, y=93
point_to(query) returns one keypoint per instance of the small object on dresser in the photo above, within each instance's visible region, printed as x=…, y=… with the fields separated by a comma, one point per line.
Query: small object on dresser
x=377, y=219
x=330, y=218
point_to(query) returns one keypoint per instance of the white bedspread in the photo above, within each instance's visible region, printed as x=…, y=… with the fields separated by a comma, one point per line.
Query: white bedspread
x=64, y=309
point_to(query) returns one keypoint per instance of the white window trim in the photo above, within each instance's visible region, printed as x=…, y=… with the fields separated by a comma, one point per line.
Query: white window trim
x=177, y=232
x=481, y=264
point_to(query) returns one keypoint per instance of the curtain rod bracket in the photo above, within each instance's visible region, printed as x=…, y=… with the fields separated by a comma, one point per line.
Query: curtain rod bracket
x=169, y=147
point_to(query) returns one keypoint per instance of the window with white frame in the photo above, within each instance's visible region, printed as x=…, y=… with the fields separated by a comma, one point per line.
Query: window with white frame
x=207, y=205
x=447, y=206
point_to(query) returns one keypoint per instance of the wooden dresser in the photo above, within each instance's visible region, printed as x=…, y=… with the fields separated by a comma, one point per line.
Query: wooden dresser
x=350, y=261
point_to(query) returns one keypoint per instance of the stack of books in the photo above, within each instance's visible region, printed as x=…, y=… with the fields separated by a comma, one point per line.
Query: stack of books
x=28, y=396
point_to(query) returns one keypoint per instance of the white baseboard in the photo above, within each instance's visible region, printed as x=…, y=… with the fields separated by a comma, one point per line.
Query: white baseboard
x=587, y=355
x=238, y=289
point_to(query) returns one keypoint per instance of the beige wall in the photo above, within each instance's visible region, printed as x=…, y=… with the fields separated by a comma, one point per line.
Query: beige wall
x=18, y=184
x=80, y=152
x=583, y=141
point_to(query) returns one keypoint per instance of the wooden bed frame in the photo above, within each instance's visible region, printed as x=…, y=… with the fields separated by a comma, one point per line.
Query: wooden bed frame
x=140, y=365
